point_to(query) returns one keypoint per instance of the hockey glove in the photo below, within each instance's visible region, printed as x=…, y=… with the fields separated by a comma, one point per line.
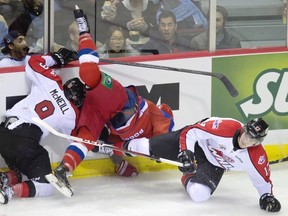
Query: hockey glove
x=63, y=56
x=269, y=203
x=187, y=158
x=126, y=169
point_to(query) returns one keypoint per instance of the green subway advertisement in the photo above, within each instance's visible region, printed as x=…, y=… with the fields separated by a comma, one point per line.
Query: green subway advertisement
x=262, y=83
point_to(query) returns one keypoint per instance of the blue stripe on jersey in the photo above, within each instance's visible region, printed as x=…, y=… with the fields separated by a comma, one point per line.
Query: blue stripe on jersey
x=77, y=150
x=141, y=105
x=171, y=120
x=88, y=51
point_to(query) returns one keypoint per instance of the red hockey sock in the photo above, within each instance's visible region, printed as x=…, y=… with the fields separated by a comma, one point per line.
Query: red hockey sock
x=74, y=154
x=71, y=160
x=21, y=189
x=90, y=74
x=86, y=42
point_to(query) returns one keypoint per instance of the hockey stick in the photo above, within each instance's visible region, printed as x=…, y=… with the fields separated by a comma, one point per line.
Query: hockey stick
x=279, y=160
x=229, y=86
x=78, y=139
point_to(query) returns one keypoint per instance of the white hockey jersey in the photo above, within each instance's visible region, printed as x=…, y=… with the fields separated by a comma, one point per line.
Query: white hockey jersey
x=215, y=137
x=46, y=99
x=11, y=62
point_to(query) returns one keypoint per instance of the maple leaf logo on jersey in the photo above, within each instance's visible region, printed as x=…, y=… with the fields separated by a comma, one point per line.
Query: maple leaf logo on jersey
x=261, y=160
x=53, y=73
x=223, y=160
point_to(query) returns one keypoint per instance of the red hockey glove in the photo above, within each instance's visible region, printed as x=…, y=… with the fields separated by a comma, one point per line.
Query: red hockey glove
x=126, y=169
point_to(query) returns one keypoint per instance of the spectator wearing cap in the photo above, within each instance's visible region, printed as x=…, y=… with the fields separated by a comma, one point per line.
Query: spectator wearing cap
x=15, y=50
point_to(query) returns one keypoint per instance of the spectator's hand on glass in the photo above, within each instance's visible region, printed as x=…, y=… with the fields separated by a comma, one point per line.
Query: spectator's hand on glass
x=109, y=10
x=4, y=1
x=137, y=25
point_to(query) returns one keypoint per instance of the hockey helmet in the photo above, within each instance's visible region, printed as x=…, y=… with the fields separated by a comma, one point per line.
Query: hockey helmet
x=256, y=130
x=75, y=91
x=129, y=109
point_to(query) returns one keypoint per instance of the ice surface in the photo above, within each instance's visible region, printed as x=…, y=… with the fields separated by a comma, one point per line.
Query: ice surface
x=152, y=194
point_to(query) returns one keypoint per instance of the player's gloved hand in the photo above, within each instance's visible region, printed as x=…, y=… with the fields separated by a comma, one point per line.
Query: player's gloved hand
x=63, y=56
x=187, y=158
x=104, y=139
x=269, y=203
x=126, y=169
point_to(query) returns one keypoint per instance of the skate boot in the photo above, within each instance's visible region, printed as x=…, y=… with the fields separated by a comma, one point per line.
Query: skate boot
x=59, y=179
x=3, y=179
x=6, y=193
x=81, y=20
x=10, y=177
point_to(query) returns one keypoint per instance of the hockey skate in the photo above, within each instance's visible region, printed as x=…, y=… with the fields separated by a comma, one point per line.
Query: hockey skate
x=81, y=20
x=6, y=191
x=59, y=180
x=3, y=179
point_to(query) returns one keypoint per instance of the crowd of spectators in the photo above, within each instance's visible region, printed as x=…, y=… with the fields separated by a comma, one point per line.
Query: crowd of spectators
x=119, y=27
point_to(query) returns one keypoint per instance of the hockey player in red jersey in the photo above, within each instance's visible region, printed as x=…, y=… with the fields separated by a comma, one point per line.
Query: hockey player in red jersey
x=106, y=102
x=20, y=137
x=217, y=145
x=145, y=119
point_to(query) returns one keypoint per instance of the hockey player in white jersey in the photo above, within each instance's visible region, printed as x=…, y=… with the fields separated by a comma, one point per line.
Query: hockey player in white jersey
x=210, y=147
x=19, y=145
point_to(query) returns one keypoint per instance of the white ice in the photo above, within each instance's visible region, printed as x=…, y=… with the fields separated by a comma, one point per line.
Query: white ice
x=152, y=194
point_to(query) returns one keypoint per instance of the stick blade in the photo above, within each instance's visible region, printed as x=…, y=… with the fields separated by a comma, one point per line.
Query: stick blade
x=229, y=86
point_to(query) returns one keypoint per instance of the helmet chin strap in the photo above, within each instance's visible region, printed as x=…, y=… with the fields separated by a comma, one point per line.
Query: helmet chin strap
x=235, y=140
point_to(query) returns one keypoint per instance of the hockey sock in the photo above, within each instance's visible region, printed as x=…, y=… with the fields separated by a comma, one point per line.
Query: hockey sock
x=88, y=58
x=24, y=189
x=74, y=154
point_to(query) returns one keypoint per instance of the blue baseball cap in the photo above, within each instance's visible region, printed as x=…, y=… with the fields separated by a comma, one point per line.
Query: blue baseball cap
x=8, y=39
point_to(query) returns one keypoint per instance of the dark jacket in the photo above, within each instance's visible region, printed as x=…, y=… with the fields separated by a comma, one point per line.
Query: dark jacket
x=228, y=41
x=157, y=45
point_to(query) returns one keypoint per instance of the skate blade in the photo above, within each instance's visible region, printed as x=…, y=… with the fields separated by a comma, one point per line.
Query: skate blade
x=58, y=185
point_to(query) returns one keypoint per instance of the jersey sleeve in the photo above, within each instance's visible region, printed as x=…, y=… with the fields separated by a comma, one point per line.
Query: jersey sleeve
x=161, y=124
x=40, y=65
x=258, y=169
x=208, y=128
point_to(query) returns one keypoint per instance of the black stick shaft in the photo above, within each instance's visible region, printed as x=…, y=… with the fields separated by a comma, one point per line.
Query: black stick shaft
x=229, y=86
